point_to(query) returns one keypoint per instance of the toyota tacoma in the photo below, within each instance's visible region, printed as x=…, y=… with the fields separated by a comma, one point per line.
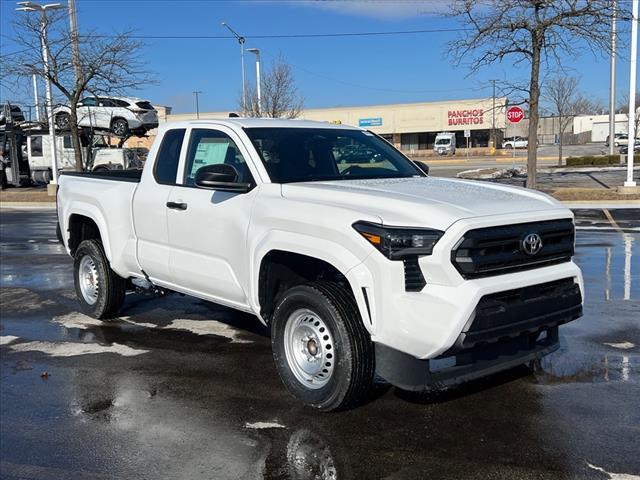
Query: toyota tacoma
x=362, y=270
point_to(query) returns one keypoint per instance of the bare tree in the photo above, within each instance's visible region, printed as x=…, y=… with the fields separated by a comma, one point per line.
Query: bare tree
x=280, y=96
x=624, y=108
x=565, y=101
x=106, y=64
x=530, y=32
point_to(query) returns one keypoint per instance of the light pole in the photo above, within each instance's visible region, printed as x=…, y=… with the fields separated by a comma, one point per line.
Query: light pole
x=612, y=79
x=632, y=95
x=256, y=51
x=36, y=7
x=241, y=41
x=34, y=77
x=196, y=93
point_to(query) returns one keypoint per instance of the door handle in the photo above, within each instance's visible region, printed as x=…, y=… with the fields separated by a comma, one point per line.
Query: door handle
x=176, y=205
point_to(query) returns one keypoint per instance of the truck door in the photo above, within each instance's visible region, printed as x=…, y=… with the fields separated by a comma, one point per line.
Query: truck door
x=150, y=210
x=208, y=228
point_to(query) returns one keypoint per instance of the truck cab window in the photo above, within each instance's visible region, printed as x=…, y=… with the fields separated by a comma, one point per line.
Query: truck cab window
x=166, y=167
x=212, y=147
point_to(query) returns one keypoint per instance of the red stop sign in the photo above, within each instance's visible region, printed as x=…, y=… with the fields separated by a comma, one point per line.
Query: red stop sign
x=515, y=114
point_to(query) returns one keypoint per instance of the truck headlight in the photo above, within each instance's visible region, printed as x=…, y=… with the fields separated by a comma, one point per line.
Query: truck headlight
x=397, y=243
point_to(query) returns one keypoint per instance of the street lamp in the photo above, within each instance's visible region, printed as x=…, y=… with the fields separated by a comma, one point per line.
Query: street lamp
x=241, y=41
x=256, y=51
x=36, y=7
x=196, y=93
x=632, y=95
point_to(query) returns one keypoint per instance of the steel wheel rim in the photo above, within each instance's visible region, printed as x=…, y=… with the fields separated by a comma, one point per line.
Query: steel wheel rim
x=309, y=349
x=88, y=280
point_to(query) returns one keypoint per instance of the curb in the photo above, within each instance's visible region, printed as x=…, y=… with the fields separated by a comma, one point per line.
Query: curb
x=27, y=205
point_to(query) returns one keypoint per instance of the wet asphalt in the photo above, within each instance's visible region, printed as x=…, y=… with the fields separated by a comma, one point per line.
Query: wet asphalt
x=183, y=389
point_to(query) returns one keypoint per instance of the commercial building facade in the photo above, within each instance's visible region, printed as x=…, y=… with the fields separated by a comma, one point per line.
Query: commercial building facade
x=412, y=127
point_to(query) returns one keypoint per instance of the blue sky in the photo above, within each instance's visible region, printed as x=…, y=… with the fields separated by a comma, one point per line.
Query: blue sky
x=328, y=71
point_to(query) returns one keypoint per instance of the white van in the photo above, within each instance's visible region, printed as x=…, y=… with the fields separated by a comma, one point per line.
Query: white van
x=445, y=143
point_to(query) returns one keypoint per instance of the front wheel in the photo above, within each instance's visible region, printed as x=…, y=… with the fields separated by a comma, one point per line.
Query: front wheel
x=62, y=121
x=99, y=289
x=322, y=351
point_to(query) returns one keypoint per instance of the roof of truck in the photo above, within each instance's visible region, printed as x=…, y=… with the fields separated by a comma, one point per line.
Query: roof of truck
x=259, y=123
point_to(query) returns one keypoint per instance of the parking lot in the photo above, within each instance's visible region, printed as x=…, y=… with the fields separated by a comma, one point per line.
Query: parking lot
x=181, y=388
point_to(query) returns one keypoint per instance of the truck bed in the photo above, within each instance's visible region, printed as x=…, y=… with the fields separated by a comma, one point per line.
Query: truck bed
x=119, y=175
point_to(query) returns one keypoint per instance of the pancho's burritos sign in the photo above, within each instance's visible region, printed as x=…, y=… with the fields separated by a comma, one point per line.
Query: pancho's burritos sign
x=465, y=116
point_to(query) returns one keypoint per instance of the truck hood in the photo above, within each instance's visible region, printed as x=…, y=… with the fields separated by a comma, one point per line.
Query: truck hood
x=421, y=201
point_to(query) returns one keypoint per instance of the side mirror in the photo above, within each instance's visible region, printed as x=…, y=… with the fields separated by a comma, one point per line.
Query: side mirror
x=422, y=166
x=80, y=104
x=220, y=177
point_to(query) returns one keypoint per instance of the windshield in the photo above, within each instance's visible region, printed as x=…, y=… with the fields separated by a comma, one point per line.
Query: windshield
x=443, y=141
x=315, y=154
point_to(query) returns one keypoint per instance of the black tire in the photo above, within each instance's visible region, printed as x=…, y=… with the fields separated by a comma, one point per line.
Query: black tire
x=110, y=286
x=119, y=127
x=352, y=352
x=62, y=121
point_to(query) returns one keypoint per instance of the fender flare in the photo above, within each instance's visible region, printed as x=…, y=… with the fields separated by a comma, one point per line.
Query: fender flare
x=338, y=256
x=92, y=212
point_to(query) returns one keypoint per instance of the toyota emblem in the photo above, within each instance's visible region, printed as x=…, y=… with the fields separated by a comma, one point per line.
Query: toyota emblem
x=531, y=244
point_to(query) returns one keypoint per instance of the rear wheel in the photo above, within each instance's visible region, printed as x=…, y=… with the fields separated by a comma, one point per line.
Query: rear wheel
x=120, y=127
x=99, y=289
x=322, y=351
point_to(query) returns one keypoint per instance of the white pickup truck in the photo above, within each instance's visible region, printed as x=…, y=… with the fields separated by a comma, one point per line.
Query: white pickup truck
x=360, y=269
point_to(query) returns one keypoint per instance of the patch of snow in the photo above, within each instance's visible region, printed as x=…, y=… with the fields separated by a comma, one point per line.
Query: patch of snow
x=207, y=327
x=622, y=345
x=615, y=476
x=7, y=339
x=69, y=349
x=78, y=320
x=263, y=425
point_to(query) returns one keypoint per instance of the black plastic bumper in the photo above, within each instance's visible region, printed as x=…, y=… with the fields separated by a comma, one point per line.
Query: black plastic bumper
x=508, y=329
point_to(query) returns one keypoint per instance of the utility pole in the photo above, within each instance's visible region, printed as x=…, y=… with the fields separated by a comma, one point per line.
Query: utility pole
x=612, y=81
x=75, y=44
x=34, y=77
x=241, y=41
x=493, y=119
x=196, y=93
x=36, y=7
x=632, y=95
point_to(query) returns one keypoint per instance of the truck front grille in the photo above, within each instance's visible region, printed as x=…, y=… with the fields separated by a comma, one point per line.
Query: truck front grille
x=484, y=252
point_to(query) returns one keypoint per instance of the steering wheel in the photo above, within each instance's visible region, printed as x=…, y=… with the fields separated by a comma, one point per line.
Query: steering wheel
x=351, y=169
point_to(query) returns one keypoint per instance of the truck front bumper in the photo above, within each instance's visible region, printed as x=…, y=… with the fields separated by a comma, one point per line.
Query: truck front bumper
x=412, y=374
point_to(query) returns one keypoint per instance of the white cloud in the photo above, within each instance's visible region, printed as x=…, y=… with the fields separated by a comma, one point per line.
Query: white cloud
x=382, y=9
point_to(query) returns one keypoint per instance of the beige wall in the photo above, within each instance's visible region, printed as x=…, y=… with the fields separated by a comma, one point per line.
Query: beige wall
x=457, y=115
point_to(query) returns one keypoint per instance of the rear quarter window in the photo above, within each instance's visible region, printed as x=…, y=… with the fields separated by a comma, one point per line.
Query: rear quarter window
x=166, y=167
x=145, y=105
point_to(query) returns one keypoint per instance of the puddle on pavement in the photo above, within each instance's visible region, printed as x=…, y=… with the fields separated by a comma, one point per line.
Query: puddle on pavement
x=48, y=277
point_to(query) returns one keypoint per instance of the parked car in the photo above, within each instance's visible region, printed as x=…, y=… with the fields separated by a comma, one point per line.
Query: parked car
x=625, y=148
x=621, y=139
x=426, y=282
x=120, y=115
x=516, y=142
x=105, y=159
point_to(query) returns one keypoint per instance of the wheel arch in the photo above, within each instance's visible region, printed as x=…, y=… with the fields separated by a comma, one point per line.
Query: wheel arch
x=281, y=268
x=85, y=223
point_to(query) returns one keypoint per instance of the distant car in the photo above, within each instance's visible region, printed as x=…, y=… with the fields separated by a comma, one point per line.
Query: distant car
x=625, y=148
x=516, y=142
x=16, y=114
x=621, y=139
x=120, y=115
